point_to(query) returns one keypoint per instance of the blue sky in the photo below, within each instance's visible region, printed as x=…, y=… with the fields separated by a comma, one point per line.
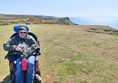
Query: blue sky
x=61, y=8
x=98, y=12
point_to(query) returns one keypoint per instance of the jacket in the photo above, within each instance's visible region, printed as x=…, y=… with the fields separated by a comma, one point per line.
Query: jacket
x=27, y=44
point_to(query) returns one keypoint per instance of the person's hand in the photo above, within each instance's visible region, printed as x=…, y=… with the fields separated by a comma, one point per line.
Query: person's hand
x=24, y=55
x=18, y=49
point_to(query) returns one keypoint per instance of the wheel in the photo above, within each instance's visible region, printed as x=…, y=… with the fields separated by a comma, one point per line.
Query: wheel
x=11, y=81
x=37, y=78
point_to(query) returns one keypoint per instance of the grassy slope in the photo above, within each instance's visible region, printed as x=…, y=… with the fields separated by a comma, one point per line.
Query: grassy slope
x=70, y=54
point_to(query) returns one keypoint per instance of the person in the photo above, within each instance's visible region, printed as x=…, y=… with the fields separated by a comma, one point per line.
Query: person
x=26, y=44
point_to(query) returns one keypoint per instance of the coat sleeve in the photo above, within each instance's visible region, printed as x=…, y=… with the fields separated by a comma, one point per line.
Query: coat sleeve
x=10, y=45
x=33, y=47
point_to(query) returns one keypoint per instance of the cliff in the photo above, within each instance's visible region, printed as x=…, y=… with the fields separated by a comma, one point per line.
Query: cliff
x=33, y=19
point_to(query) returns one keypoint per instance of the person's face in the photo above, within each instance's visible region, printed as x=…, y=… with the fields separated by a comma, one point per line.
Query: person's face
x=22, y=33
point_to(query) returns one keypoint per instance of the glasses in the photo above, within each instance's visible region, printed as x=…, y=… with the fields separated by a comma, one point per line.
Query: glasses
x=22, y=32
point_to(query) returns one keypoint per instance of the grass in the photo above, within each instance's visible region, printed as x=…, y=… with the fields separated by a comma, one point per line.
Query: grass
x=115, y=34
x=70, y=54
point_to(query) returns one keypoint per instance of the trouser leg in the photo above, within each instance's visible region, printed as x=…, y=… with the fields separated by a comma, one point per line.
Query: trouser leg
x=30, y=71
x=19, y=72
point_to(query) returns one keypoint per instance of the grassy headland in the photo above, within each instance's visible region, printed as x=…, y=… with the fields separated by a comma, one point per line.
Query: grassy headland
x=70, y=54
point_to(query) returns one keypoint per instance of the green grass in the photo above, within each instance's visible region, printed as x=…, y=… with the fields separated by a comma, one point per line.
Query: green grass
x=115, y=34
x=70, y=54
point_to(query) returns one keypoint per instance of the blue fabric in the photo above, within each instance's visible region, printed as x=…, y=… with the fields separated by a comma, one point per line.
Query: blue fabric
x=30, y=71
x=16, y=27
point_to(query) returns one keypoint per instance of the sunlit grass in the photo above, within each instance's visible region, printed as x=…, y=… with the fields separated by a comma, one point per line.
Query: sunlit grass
x=70, y=54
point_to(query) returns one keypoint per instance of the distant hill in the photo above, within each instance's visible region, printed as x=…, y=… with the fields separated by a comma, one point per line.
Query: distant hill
x=6, y=19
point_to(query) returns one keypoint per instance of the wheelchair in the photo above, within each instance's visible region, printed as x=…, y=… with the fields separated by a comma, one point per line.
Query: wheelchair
x=12, y=61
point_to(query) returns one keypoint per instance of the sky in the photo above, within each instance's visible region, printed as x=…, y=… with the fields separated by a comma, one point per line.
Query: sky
x=61, y=8
x=98, y=12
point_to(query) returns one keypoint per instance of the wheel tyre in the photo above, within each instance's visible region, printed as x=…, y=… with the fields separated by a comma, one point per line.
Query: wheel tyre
x=11, y=81
x=38, y=78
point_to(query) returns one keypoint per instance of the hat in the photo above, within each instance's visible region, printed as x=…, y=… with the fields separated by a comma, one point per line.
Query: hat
x=17, y=27
x=22, y=28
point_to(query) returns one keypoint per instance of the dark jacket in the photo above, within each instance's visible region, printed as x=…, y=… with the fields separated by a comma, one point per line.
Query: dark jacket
x=28, y=45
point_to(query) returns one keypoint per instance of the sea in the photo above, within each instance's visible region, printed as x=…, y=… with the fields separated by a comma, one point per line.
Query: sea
x=96, y=20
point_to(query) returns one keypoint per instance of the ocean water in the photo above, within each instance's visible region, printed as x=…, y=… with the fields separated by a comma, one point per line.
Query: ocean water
x=105, y=21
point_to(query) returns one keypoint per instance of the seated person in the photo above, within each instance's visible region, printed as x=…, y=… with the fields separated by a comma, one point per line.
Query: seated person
x=22, y=42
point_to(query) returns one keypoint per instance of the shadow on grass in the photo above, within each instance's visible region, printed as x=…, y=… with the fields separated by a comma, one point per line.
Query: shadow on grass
x=5, y=80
